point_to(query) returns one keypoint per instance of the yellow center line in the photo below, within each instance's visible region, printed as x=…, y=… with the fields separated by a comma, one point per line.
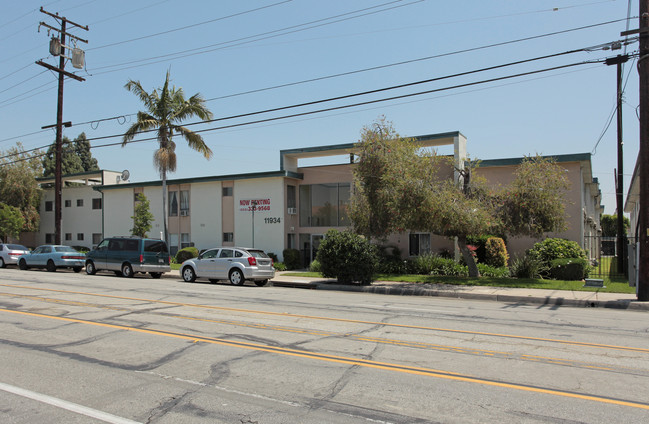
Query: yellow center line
x=286, y=314
x=346, y=360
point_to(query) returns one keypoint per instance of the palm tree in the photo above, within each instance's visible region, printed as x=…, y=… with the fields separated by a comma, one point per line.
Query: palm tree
x=166, y=108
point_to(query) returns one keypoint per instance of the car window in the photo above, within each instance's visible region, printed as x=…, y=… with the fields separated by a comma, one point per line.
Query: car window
x=131, y=245
x=16, y=247
x=2, y=246
x=64, y=249
x=103, y=244
x=210, y=254
x=38, y=250
x=258, y=253
x=238, y=254
x=225, y=253
x=157, y=246
x=46, y=249
x=115, y=245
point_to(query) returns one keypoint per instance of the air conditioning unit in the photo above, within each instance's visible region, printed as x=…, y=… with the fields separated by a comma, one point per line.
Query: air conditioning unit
x=292, y=211
x=184, y=212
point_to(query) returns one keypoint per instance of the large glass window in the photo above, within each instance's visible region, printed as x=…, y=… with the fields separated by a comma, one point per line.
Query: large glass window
x=184, y=203
x=419, y=244
x=290, y=197
x=173, y=203
x=324, y=205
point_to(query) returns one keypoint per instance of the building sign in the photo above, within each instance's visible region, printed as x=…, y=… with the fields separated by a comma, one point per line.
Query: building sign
x=245, y=205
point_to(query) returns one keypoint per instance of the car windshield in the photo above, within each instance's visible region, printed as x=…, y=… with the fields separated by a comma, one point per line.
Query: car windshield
x=258, y=253
x=64, y=249
x=16, y=247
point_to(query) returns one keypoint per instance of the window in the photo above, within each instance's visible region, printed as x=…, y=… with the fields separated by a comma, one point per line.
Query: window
x=228, y=237
x=173, y=243
x=227, y=191
x=184, y=203
x=419, y=244
x=324, y=205
x=226, y=253
x=68, y=236
x=157, y=246
x=96, y=238
x=173, y=203
x=96, y=203
x=68, y=203
x=79, y=236
x=290, y=196
x=79, y=203
x=184, y=240
x=49, y=238
x=48, y=206
x=290, y=241
x=136, y=195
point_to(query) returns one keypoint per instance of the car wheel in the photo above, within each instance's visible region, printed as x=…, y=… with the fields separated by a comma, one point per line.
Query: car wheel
x=236, y=277
x=90, y=268
x=156, y=275
x=188, y=274
x=127, y=270
x=2, y=263
x=261, y=283
x=23, y=264
x=50, y=266
x=76, y=269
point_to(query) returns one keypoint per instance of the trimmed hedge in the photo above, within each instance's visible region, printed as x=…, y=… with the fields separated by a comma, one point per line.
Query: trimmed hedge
x=291, y=258
x=570, y=269
x=347, y=257
x=496, y=252
x=186, y=253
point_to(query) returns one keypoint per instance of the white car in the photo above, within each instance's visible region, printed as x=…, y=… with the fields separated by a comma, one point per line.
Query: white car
x=235, y=264
x=9, y=253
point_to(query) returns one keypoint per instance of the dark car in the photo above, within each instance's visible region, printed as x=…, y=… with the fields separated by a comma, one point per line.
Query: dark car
x=51, y=257
x=127, y=255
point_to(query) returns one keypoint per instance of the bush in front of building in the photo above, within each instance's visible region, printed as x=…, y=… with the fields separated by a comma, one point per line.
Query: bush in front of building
x=431, y=264
x=291, y=258
x=493, y=271
x=186, y=253
x=572, y=269
x=390, y=261
x=315, y=266
x=555, y=248
x=496, y=252
x=527, y=267
x=347, y=257
x=279, y=266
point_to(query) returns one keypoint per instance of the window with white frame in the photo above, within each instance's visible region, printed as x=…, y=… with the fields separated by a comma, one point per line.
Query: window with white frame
x=419, y=244
x=184, y=240
x=184, y=203
x=173, y=203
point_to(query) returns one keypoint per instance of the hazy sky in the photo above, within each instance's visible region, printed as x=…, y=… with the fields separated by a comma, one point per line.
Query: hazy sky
x=250, y=56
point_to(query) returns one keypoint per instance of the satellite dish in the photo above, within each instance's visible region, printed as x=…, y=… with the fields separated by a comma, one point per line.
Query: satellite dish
x=125, y=174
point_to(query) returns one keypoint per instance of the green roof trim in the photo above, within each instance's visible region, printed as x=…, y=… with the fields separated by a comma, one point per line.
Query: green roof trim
x=270, y=174
x=576, y=157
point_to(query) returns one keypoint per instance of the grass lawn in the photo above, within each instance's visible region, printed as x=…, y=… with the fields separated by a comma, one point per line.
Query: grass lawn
x=613, y=284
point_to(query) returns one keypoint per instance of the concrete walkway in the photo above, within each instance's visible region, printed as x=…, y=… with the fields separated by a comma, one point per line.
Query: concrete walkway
x=499, y=294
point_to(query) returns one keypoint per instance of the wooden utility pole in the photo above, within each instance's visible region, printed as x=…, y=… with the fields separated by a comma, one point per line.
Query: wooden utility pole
x=58, y=177
x=643, y=157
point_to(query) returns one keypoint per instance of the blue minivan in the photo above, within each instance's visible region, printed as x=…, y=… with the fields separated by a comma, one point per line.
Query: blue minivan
x=127, y=255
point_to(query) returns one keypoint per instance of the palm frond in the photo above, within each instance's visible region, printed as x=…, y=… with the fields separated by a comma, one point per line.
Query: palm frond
x=195, y=141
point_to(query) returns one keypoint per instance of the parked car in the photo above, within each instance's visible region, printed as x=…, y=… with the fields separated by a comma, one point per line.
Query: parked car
x=235, y=264
x=127, y=255
x=9, y=253
x=51, y=257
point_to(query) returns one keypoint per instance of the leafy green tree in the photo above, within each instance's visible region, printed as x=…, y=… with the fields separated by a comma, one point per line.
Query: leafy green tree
x=398, y=186
x=18, y=185
x=166, y=109
x=609, y=225
x=76, y=157
x=11, y=222
x=348, y=257
x=143, y=217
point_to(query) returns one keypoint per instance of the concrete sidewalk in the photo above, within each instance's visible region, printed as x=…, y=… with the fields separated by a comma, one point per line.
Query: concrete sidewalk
x=500, y=294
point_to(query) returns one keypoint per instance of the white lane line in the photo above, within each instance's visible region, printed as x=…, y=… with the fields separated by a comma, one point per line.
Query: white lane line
x=60, y=403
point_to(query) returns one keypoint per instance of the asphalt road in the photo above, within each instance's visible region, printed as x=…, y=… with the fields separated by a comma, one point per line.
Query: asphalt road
x=88, y=349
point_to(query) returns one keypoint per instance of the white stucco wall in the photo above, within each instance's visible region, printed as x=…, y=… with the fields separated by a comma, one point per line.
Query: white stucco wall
x=206, y=228
x=118, y=212
x=269, y=233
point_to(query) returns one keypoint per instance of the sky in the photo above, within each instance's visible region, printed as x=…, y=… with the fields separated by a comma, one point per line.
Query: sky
x=250, y=56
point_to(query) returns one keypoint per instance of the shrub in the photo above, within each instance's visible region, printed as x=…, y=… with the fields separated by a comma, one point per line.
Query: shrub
x=279, y=266
x=496, y=252
x=493, y=271
x=569, y=269
x=291, y=258
x=347, y=257
x=555, y=248
x=390, y=261
x=315, y=266
x=272, y=256
x=430, y=264
x=186, y=253
x=527, y=267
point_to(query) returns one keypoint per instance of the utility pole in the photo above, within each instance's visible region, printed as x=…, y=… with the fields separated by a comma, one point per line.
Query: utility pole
x=619, y=179
x=58, y=47
x=643, y=157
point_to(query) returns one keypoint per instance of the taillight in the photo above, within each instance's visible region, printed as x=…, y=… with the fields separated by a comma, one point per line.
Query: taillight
x=71, y=257
x=252, y=261
x=14, y=254
x=141, y=259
